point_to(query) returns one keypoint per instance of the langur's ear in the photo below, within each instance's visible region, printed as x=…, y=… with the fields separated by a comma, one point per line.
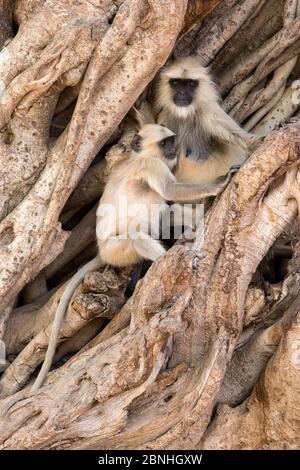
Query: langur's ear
x=144, y=114
x=136, y=143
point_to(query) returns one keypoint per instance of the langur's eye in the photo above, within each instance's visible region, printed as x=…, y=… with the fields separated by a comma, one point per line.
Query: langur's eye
x=192, y=83
x=174, y=82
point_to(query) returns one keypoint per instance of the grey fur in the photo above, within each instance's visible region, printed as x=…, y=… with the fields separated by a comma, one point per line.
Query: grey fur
x=192, y=138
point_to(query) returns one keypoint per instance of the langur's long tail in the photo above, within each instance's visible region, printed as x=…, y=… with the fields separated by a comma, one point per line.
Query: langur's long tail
x=92, y=265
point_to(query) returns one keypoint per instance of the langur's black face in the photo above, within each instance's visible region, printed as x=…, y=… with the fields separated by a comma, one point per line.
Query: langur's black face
x=169, y=147
x=183, y=90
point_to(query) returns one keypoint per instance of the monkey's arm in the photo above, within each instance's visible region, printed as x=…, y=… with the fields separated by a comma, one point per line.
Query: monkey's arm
x=191, y=192
x=225, y=129
x=164, y=183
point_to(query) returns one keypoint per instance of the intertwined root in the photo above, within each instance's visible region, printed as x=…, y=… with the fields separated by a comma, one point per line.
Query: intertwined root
x=35, y=67
x=194, y=331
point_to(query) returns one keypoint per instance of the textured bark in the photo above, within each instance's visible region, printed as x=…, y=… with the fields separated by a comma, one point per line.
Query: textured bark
x=67, y=56
x=197, y=11
x=174, y=320
x=231, y=16
x=104, y=301
x=276, y=423
x=196, y=357
x=280, y=112
x=260, y=26
x=260, y=98
x=6, y=20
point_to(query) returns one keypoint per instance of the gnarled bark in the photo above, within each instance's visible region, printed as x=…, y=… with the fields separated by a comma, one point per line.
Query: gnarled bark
x=200, y=350
x=181, y=337
x=61, y=59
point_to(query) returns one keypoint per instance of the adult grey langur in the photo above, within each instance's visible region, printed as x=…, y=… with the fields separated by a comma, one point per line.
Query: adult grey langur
x=211, y=142
x=145, y=176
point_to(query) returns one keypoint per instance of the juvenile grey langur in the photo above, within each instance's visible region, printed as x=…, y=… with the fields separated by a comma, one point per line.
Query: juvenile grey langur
x=145, y=177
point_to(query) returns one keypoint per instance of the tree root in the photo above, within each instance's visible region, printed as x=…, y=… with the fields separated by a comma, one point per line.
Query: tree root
x=284, y=109
x=89, y=188
x=84, y=308
x=259, y=28
x=257, y=99
x=164, y=369
x=251, y=358
x=276, y=422
x=210, y=42
x=39, y=212
x=81, y=237
x=174, y=320
x=243, y=67
x=272, y=53
x=261, y=113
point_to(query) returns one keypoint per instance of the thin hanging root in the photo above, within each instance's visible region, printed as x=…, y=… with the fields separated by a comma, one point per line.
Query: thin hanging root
x=258, y=77
x=280, y=52
x=262, y=97
x=286, y=107
x=273, y=47
x=231, y=15
x=258, y=29
x=261, y=113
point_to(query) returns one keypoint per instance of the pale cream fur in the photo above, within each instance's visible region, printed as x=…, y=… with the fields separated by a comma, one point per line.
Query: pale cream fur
x=136, y=181
x=202, y=121
x=145, y=178
x=126, y=179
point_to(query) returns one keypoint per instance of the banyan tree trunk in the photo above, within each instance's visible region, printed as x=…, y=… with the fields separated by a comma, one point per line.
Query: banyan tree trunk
x=206, y=352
